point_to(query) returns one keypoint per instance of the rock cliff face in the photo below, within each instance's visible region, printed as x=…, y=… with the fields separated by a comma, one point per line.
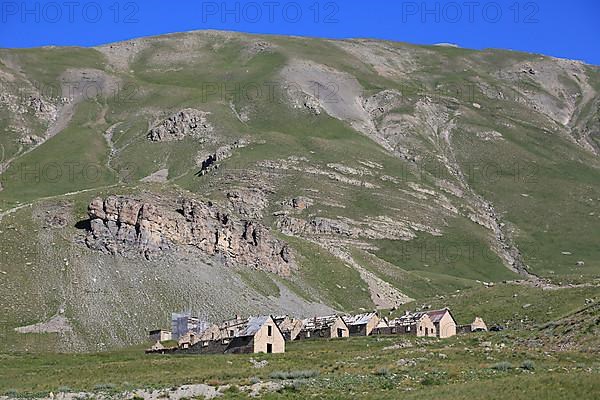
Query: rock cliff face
x=187, y=122
x=128, y=227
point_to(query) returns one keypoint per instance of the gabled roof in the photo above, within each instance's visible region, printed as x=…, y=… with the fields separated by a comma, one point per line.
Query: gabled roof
x=360, y=319
x=320, y=322
x=253, y=324
x=408, y=319
x=437, y=315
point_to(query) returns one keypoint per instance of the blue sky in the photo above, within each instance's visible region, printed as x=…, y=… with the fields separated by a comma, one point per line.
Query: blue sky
x=569, y=29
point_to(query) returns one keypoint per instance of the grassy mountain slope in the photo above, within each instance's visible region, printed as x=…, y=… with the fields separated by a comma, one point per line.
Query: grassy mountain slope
x=426, y=170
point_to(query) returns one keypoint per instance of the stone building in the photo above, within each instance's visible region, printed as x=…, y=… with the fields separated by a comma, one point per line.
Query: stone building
x=210, y=332
x=160, y=335
x=444, y=322
x=231, y=327
x=362, y=324
x=259, y=335
x=328, y=327
x=478, y=325
x=157, y=348
x=417, y=324
x=254, y=335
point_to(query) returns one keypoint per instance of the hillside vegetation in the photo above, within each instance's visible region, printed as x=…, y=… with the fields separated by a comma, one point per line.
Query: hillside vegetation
x=371, y=174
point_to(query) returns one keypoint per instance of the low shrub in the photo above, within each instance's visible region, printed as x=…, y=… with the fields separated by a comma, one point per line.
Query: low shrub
x=102, y=387
x=285, y=375
x=232, y=389
x=254, y=380
x=383, y=372
x=502, y=366
x=293, y=387
x=528, y=365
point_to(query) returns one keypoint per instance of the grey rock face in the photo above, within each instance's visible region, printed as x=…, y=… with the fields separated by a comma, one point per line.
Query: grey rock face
x=184, y=123
x=249, y=203
x=124, y=226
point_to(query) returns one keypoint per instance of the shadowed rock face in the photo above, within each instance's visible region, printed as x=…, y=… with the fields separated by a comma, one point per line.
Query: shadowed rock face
x=130, y=227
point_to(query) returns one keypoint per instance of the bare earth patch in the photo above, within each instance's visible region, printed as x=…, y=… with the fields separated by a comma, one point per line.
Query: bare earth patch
x=57, y=324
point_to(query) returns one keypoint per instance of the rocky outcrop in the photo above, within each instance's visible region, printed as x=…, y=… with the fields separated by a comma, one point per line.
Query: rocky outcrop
x=185, y=123
x=299, y=203
x=304, y=165
x=382, y=103
x=248, y=203
x=343, y=228
x=128, y=227
x=208, y=161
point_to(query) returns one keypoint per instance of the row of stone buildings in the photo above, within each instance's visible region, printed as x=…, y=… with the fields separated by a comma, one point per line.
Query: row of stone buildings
x=268, y=334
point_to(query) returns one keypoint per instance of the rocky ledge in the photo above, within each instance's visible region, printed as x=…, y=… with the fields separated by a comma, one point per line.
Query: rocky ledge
x=130, y=227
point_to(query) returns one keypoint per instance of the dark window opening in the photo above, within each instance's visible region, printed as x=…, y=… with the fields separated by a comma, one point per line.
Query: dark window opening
x=269, y=348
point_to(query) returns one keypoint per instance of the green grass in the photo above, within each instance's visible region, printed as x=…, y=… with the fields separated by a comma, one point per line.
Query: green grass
x=326, y=368
x=510, y=305
x=416, y=284
x=529, y=173
x=335, y=282
x=45, y=65
x=461, y=252
x=75, y=159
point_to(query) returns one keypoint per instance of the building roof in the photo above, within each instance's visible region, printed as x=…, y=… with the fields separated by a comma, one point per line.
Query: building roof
x=360, y=319
x=159, y=331
x=437, y=315
x=253, y=325
x=286, y=323
x=316, y=323
x=407, y=319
